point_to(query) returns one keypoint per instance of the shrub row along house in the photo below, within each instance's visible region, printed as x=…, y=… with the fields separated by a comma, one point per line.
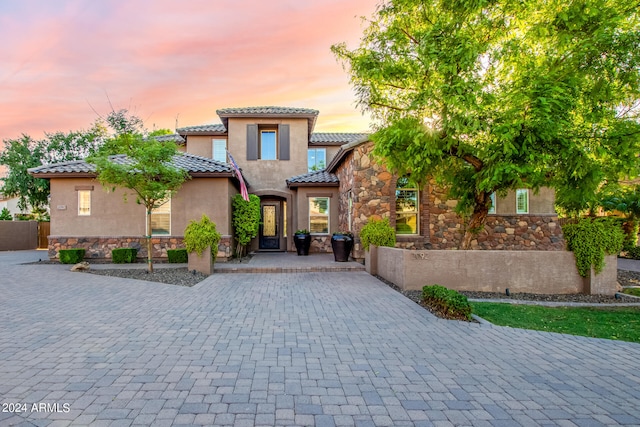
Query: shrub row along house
x=323, y=182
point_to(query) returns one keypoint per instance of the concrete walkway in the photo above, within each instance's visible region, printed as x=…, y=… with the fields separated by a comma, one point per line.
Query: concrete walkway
x=317, y=348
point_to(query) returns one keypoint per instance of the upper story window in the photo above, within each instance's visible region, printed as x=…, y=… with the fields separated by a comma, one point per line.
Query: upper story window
x=161, y=219
x=319, y=215
x=268, y=144
x=219, y=150
x=522, y=201
x=84, y=202
x=407, y=207
x=316, y=159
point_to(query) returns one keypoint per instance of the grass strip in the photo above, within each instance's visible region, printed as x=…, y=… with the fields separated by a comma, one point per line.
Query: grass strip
x=616, y=323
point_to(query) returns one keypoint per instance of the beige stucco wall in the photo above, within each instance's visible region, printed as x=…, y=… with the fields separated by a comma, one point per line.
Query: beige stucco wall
x=301, y=213
x=112, y=216
x=202, y=145
x=542, y=272
x=269, y=174
x=540, y=203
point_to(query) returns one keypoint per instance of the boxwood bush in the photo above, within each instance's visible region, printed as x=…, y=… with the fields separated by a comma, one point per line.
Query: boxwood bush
x=123, y=255
x=177, y=256
x=71, y=256
x=378, y=233
x=449, y=303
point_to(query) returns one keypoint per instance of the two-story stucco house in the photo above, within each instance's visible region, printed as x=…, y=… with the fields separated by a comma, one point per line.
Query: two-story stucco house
x=324, y=182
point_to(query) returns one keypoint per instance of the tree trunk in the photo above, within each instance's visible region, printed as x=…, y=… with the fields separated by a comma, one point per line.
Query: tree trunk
x=476, y=222
x=149, y=245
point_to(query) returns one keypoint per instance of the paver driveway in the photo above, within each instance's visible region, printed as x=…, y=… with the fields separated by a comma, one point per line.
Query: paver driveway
x=285, y=349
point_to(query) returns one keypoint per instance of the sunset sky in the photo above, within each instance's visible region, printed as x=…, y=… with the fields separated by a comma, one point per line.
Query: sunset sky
x=168, y=60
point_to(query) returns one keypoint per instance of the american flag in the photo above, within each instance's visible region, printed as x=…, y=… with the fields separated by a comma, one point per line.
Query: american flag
x=243, y=187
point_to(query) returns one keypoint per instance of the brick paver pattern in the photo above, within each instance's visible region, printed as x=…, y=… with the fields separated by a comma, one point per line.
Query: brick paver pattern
x=324, y=349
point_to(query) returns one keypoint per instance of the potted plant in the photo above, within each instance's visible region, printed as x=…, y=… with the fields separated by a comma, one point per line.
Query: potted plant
x=302, y=240
x=342, y=244
x=201, y=241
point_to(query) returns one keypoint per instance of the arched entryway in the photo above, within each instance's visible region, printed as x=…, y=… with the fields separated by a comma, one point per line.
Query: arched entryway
x=272, y=234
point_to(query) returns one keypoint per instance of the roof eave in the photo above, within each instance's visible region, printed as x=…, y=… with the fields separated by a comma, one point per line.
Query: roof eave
x=312, y=184
x=49, y=175
x=343, y=151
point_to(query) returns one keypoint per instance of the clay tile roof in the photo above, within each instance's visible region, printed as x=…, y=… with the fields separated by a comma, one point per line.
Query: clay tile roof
x=173, y=138
x=193, y=164
x=332, y=138
x=317, y=178
x=270, y=112
x=202, y=129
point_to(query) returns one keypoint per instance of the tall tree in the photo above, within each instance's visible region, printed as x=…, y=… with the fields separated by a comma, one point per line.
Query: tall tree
x=144, y=166
x=23, y=153
x=488, y=96
x=19, y=155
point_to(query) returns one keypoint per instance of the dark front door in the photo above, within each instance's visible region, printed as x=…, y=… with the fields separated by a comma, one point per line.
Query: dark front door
x=270, y=227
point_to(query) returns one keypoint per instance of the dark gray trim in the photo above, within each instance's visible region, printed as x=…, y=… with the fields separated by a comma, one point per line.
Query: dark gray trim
x=252, y=142
x=283, y=142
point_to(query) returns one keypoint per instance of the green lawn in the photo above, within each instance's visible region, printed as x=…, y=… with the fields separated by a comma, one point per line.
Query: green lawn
x=616, y=323
x=632, y=291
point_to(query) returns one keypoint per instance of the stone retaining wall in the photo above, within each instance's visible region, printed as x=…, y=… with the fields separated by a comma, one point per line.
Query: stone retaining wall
x=539, y=272
x=100, y=247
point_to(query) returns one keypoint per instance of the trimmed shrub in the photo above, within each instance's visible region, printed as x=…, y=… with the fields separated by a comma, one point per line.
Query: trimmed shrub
x=590, y=241
x=449, y=303
x=71, y=256
x=124, y=255
x=200, y=234
x=377, y=232
x=178, y=256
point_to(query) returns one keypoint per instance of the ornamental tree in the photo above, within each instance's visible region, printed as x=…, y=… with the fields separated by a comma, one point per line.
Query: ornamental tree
x=487, y=96
x=144, y=166
x=246, y=221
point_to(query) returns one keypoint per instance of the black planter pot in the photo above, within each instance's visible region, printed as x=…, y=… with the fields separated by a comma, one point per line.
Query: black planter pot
x=302, y=242
x=342, y=244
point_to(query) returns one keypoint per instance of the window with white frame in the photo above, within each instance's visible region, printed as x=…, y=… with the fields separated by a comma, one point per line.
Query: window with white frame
x=319, y=215
x=407, y=207
x=522, y=201
x=268, y=144
x=84, y=202
x=492, y=208
x=349, y=209
x=219, y=150
x=316, y=159
x=161, y=219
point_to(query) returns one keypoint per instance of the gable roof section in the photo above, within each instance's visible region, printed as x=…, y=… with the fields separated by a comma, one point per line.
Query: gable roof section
x=320, y=178
x=334, y=138
x=196, y=166
x=174, y=137
x=212, y=129
x=344, y=150
x=269, y=112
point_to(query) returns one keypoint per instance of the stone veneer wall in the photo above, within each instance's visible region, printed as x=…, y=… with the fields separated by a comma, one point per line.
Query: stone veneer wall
x=501, y=232
x=320, y=244
x=100, y=247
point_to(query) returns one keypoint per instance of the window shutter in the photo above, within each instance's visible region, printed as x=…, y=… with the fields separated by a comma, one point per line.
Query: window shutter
x=283, y=146
x=252, y=142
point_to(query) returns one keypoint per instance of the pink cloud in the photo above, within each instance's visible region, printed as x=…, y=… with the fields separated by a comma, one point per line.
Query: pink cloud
x=167, y=59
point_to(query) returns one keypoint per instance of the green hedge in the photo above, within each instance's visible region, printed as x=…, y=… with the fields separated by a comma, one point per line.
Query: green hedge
x=124, y=255
x=451, y=303
x=71, y=256
x=177, y=256
x=590, y=240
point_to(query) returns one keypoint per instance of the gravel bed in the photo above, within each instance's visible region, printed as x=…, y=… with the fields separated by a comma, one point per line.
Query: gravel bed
x=172, y=276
